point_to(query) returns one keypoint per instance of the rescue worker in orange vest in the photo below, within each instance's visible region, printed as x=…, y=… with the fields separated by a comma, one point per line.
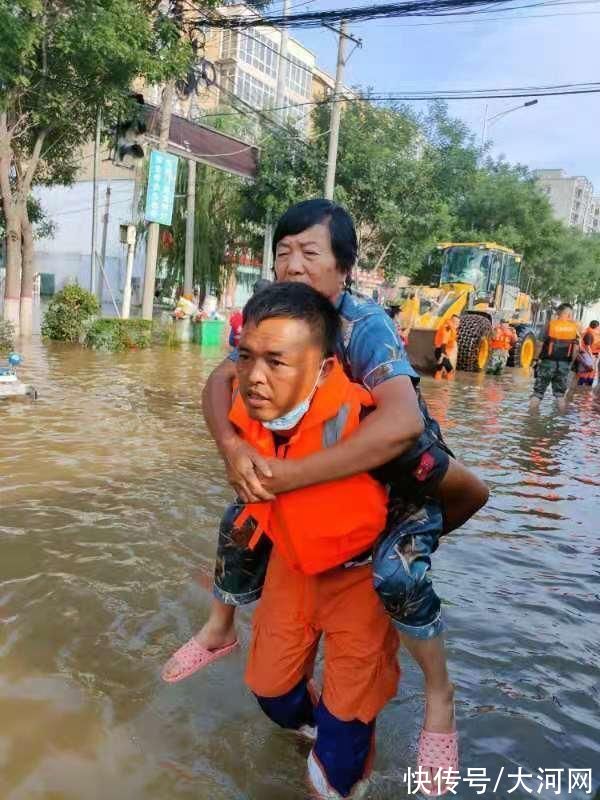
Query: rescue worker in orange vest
x=584, y=365
x=292, y=394
x=323, y=544
x=559, y=350
x=593, y=330
x=503, y=338
x=446, y=349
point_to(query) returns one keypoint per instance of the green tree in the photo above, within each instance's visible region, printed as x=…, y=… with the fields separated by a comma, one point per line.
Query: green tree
x=218, y=227
x=382, y=178
x=60, y=61
x=570, y=270
x=410, y=181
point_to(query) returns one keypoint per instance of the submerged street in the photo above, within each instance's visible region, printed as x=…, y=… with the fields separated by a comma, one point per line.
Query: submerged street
x=109, y=505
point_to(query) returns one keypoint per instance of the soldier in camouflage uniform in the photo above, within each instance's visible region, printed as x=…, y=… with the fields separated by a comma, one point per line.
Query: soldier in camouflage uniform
x=558, y=352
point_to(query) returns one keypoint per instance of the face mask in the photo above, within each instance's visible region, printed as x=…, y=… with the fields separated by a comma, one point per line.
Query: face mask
x=293, y=417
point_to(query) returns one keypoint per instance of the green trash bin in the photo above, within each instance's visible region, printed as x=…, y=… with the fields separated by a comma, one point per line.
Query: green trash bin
x=209, y=331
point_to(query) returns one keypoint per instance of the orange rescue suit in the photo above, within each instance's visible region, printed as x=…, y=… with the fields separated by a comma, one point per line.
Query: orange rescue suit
x=503, y=338
x=595, y=334
x=445, y=337
x=560, y=341
x=322, y=526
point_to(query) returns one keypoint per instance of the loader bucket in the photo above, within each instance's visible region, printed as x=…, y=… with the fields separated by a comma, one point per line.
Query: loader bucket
x=420, y=349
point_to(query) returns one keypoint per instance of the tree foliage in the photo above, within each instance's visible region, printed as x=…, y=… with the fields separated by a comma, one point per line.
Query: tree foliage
x=60, y=62
x=412, y=180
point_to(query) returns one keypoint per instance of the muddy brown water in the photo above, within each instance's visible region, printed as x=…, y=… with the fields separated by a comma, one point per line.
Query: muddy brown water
x=110, y=496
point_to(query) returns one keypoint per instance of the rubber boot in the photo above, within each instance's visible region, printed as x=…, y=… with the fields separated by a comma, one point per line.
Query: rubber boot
x=437, y=375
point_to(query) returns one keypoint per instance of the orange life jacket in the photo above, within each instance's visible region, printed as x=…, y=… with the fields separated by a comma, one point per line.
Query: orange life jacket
x=503, y=337
x=445, y=336
x=595, y=334
x=321, y=526
x=560, y=340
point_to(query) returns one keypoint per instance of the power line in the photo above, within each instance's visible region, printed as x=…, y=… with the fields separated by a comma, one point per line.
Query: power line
x=557, y=90
x=413, y=8
x=486, y=19
x=271, y=47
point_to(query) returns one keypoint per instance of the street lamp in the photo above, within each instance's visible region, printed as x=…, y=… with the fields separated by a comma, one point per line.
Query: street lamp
x=487, y=122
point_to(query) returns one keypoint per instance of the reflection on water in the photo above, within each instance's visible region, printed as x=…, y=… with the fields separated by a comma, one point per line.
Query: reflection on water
x=110, y=495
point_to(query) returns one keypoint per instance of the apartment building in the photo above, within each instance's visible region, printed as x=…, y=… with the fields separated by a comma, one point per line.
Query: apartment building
x=594, y=215
x=572, y=198
x=244, y=65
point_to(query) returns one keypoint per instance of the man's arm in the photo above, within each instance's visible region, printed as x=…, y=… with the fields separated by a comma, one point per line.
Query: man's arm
x=390, y=430
x=241, y=460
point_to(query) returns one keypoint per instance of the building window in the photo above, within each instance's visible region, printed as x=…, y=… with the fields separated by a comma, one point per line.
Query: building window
x=299, y=77
x=296, y=116
x=578, y=193
x=227, y=80
x=259, y=52
x=252, y=91
x=229, y=45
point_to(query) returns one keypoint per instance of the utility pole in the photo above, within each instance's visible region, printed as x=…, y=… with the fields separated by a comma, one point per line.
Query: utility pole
x=93, y=282
x=484, y=126
x=336, y=111
x=282, y=66
x=267, y=261
x=104, y=237
x=128, y=233
x=190, y=219
x=154, y=227
x=282, y=71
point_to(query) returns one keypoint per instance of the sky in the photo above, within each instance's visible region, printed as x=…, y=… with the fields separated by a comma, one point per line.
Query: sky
x=505, y=51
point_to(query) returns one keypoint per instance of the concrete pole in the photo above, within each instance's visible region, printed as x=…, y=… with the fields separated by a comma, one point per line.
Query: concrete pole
x=154, y=227
x=336, y=111
x=267, y=262
x=105, y=219
x=484, y=127
x=127, y=288
x=190, y=219
x=282, y=66
x=93, y=281
x=282, y=71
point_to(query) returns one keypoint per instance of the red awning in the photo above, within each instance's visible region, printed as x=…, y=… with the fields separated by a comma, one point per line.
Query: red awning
x=207, y=145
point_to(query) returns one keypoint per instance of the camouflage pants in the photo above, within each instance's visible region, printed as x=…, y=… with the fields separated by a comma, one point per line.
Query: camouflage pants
x=497, y=362
x=551, y=372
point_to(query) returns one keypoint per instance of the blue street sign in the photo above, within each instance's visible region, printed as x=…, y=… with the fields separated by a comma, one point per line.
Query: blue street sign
x=160, y=194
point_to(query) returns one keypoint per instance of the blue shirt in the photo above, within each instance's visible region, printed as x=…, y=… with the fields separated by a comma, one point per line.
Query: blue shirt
x=369, y=347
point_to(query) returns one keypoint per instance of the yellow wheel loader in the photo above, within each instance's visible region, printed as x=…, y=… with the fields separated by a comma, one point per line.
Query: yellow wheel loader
x=479, y=281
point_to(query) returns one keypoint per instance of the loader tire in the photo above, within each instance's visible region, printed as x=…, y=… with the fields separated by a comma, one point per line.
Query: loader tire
x=474, y=335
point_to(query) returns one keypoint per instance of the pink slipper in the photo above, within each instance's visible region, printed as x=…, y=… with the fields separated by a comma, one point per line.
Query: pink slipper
x=438, y=751
x=192, y=657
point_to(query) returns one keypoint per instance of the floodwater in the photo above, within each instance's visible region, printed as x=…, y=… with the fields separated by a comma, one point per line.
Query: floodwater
x=110, y=495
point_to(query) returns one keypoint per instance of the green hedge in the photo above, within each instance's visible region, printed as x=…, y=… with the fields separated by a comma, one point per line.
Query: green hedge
x=119, y=334
x=7, y=336
x=68, y=312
